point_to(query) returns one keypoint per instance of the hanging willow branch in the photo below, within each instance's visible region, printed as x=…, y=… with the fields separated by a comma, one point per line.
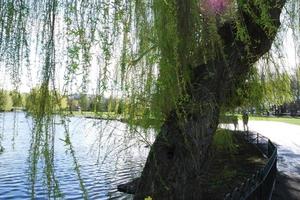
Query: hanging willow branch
x=147, y=48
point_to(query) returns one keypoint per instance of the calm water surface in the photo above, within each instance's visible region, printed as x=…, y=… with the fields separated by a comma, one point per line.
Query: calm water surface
x=107, y=153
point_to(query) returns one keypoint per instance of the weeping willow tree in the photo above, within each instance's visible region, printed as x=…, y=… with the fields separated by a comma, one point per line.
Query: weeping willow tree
x=176, y=63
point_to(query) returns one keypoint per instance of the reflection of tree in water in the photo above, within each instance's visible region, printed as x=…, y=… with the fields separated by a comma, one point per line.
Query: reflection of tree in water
x=76, y=166
x=15, y=128
x=2, y=130
x=120, y=149
x=108, y=146
x=117, y=143
x=42, y=150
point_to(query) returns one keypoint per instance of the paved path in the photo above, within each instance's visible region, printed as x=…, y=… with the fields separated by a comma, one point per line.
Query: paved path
x=287, y=138
x=286, y=187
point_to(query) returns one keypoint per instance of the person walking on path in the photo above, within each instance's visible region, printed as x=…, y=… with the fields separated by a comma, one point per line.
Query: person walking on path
x=245, y=120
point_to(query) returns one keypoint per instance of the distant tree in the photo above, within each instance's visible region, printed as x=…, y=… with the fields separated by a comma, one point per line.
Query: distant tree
x=73, y=104
x=84, y=102
x=95, y=104
x=31, y=101
x=17, y=98
x=53, y=101
x=120, y=106
x=114, y=104
x=104, y=105
x=5, y=101
x=62, y=103
x=111, y=104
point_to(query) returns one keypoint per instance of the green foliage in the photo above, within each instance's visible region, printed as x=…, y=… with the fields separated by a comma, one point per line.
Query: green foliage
x=73, y=104
x=289, y=120
x=260, y=91
x=295, y=84
x=63, y=103
x=84, y=102
x=53, y=102
x=277, y=89
x=98, y=104
x=17, y=99
x=248, y=93
x=252, y=91
x=145, y=50
x=34, y=99
x=223, y=141
x=6, y=102
x=154, y=46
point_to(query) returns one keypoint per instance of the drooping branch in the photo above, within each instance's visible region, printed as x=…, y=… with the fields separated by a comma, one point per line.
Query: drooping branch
x=180, y=152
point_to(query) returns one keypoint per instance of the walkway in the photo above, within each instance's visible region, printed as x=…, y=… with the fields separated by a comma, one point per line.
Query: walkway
x=287, y=138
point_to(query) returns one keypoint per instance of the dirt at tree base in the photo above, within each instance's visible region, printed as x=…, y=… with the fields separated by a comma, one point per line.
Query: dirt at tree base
x=228, y=169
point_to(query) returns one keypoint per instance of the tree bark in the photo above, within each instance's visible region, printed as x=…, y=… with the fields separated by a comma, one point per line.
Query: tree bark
x=178, y=157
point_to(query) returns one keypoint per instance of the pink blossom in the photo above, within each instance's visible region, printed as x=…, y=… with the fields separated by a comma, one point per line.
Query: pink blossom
x=216, y=6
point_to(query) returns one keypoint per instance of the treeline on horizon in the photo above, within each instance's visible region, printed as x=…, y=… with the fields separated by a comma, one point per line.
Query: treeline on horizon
x=258, y=92
x=11, y=100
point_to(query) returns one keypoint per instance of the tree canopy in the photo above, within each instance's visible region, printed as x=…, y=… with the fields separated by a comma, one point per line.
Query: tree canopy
x=142, y=43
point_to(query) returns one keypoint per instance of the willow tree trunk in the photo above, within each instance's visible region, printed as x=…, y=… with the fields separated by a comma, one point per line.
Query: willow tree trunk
x=178, y=157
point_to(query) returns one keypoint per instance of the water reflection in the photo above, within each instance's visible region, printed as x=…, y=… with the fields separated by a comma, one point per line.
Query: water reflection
x=98, y=156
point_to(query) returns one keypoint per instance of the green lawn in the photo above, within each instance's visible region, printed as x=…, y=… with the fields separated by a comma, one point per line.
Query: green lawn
x=112, y=115
x=289, y=120
x=108, y=115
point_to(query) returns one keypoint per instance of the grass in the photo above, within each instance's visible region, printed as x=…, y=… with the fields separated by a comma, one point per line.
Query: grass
x=224, y=141
x=289, y=120
x=150, y=123
x=105, y=115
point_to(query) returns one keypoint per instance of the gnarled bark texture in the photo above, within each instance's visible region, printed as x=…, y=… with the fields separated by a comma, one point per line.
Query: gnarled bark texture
x=178, y=156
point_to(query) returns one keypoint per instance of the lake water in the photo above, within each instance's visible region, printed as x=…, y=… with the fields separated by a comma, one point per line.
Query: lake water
x=105, y=152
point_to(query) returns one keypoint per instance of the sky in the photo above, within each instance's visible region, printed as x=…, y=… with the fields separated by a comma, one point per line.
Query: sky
x=30, y=77
x=291, y=57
